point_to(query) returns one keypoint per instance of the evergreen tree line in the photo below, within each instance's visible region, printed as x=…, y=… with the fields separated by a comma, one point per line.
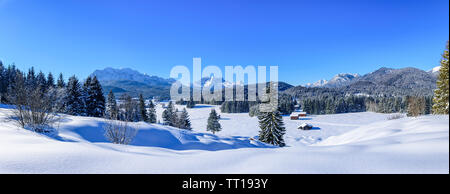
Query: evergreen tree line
x=74, y=98
x=341, y=104
x=286, y=105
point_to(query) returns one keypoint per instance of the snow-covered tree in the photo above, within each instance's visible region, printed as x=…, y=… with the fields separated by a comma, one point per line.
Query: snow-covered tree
x=112, y=111
x=97, y=105
x=74, y=101
x=128, y=110
x=183, y=120
x=151, y=113
x=60, y=83
x=213, y=122
x=272, y=128
x=441, y=100
x=86, y=97
x=143, y=116
x=93, y=98
x=41, y=81
x=50, y=80
x=169, y=115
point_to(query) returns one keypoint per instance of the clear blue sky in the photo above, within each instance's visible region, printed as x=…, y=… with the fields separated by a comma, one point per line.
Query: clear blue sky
x=308, y=40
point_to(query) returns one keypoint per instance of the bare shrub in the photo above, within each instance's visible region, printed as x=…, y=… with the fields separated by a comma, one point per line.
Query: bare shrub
x=119, y=132
x=34, y=108
x=395, y=116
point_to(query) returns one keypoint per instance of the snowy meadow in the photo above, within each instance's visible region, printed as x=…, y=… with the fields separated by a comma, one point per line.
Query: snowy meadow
x=339, y=143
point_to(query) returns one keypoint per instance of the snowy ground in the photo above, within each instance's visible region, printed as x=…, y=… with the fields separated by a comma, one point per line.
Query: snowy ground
x=341, y=143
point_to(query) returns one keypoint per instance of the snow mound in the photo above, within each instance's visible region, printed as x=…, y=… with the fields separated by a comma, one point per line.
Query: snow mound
x=90, y=130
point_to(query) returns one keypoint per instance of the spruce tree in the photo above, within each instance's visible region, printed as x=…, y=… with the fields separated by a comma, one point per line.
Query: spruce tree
x=128, y=109
x=112, y=111
x=41, y=82
x=60, y=83
x=213, y=122
x=74, y=102
x=441, y=100
x=184, y=122
x=50, y=80
x=31, y=78
x=97, y=106
x=87, y=98
x=169, y=116
x=142, y=109
x=272, y=128
x=3, y=83
x=151, y=113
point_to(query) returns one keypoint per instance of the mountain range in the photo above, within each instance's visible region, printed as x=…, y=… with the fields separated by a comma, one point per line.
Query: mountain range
x=384, y=81
x=132, y=82
x=337, y=81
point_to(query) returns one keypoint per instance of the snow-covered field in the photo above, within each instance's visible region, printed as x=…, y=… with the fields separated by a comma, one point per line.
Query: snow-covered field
x=342, y=143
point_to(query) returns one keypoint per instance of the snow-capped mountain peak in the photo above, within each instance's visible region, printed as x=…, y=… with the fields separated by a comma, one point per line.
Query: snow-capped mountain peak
x=319, y=83
x=337, y=81
x=435, y=69
x=208, y=81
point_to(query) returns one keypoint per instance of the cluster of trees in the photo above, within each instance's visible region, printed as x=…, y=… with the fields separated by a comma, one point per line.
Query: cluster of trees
x=189, y=104
x=130, y=109
x=38, y=97
x=236, y=106
x=82, y=99
x=286, y=105
x=175, y=118
x=342, y=104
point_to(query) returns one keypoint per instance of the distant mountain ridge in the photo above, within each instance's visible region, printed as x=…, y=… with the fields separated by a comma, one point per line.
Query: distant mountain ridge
x=132, y=82
x=337, y=81
x=384, y=81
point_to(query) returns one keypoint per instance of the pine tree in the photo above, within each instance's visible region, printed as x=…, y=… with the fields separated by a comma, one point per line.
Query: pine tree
x=112, y=111
x=142, y=109
x=441, y=100
x=60, y=83
x=50, y=80
x=41, y=82
x=213, y=122
x=97, y=106
x=128, y=109
x=3, y=82
x=31, y=78
x=74, y=102
x=184, y=122
x=87, y=98
x=169, y=115
x=151, y=113
x=272, y=128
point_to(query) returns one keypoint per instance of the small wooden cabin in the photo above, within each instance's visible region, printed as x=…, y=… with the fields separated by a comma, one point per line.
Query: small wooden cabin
x=294, y=116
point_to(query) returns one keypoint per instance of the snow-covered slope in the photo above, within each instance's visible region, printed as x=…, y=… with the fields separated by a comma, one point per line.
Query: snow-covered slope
x=341, y=143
